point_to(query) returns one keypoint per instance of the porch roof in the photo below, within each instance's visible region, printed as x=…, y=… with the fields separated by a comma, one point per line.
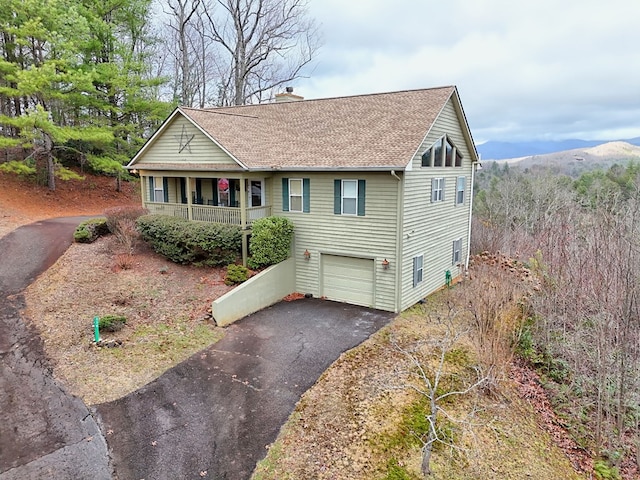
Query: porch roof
x=193, y=166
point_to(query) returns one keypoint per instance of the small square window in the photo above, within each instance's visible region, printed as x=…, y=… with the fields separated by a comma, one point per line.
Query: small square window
x=437, y=189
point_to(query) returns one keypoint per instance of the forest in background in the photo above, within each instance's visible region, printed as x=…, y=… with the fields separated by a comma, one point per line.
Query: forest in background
x=85, y=82
x=581, y=237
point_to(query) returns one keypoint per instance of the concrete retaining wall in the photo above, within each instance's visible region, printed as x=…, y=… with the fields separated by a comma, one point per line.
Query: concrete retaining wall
x=260, y=291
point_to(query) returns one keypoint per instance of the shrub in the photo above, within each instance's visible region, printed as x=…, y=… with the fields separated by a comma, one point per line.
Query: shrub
x=90, y=230
x=112, y=323
x=122, y=223
x=236, y=274
x=270, y=241
x=184, y=241
x=116, y=215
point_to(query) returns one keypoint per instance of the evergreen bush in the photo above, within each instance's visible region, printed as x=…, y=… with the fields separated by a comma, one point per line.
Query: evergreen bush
x=236, y=274
x=183, y=241
x=270, y=241
x=111, y=323
x=90, y=230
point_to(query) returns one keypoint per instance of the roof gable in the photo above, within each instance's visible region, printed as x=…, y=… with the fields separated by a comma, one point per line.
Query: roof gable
x=377, y=132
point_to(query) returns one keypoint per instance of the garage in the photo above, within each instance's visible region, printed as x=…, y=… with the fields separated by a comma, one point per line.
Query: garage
x=348, y=279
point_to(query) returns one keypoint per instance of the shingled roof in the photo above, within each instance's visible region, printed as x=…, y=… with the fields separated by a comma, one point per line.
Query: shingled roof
x=377, y=131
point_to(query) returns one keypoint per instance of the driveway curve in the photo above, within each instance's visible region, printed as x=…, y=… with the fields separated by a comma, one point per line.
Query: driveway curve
x=209, y=417
x=45, y=432
x=213, y=415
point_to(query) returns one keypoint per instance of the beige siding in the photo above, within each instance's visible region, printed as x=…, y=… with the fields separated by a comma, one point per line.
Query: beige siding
x=431, y=228
x=372, y=236
x=166, y=147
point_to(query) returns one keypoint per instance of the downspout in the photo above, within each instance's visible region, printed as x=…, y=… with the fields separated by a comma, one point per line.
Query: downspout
x=474, y=165
x=399, y=221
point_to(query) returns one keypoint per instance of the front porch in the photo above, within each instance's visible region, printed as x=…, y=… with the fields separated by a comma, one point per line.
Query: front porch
x=222, y=199
x=229, y=199
x=243, y=217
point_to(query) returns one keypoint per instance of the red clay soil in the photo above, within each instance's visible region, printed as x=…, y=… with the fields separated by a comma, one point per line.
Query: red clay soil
x=22, y=201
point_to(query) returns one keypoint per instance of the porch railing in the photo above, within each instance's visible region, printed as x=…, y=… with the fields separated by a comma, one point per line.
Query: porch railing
x=208, y=213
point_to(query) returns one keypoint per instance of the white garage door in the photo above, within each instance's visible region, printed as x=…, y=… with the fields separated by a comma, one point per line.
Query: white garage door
x=348, y=279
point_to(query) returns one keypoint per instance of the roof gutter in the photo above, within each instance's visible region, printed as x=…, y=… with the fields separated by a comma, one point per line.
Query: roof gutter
x=399, y=222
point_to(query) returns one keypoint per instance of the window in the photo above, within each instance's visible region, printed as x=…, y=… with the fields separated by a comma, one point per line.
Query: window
x=460, y=186
x=296, y=195
x=443, y=153
x=426, y=158
x=457, y=251
x=458, y=158
x=158, y=189
x=417, y=269
x=437, y=189
x=448, y=155
x=349, y=197
x=437, y=153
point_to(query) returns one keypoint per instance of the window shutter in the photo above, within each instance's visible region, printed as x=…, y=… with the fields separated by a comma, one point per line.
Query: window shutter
x=199, y=191
x=183, y=190
x=433, y=190
x=337, y=196
x=151, y=188
x=214, y=190
x=453, y=253
x=165, y=189
x=306, y=195
x=361, y=197
x=444, y=182
x=285, y=194
x=415, y=271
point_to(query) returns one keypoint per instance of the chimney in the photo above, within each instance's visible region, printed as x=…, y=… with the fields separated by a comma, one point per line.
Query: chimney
x=288, y=96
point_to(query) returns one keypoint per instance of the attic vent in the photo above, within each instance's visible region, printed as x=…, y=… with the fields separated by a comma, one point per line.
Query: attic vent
x=288, y=96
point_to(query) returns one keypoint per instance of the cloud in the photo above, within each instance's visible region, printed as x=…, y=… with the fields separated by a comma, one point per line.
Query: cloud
x=525, y=70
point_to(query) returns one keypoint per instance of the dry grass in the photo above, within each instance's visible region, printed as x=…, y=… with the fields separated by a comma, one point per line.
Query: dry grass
x=353, y=425
x=165, y=305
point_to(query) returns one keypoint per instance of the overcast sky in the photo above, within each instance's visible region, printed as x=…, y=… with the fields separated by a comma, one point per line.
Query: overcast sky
x=525, y=69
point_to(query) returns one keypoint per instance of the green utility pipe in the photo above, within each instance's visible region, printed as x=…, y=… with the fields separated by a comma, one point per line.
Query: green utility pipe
x=96, y=329
x=447, y=278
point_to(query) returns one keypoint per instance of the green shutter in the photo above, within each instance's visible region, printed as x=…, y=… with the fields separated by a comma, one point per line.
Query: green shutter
x=214, y=190
x=199, y=191
x=165, y=189
x=337, y=197
x=151, y=199
x=306, y=195
x=232, y=192
x=361, y=197
x=183, y=189
x=285, y=194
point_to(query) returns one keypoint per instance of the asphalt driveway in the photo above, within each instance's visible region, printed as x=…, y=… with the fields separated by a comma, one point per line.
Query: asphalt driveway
x=45, y=432
x=209, y=417
x=213, y=415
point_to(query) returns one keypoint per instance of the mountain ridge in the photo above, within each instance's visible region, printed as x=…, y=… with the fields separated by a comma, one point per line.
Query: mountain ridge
x=496, y=150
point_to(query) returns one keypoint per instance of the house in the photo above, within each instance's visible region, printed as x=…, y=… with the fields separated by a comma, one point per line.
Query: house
x=378, y=186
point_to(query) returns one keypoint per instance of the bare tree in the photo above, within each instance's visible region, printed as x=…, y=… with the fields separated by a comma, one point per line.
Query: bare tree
x=182, y=19
x=262, y=45
x=428, y=373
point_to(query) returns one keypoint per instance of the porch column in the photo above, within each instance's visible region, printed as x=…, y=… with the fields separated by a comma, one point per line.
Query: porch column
x=188, y=193
x=243, y=221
